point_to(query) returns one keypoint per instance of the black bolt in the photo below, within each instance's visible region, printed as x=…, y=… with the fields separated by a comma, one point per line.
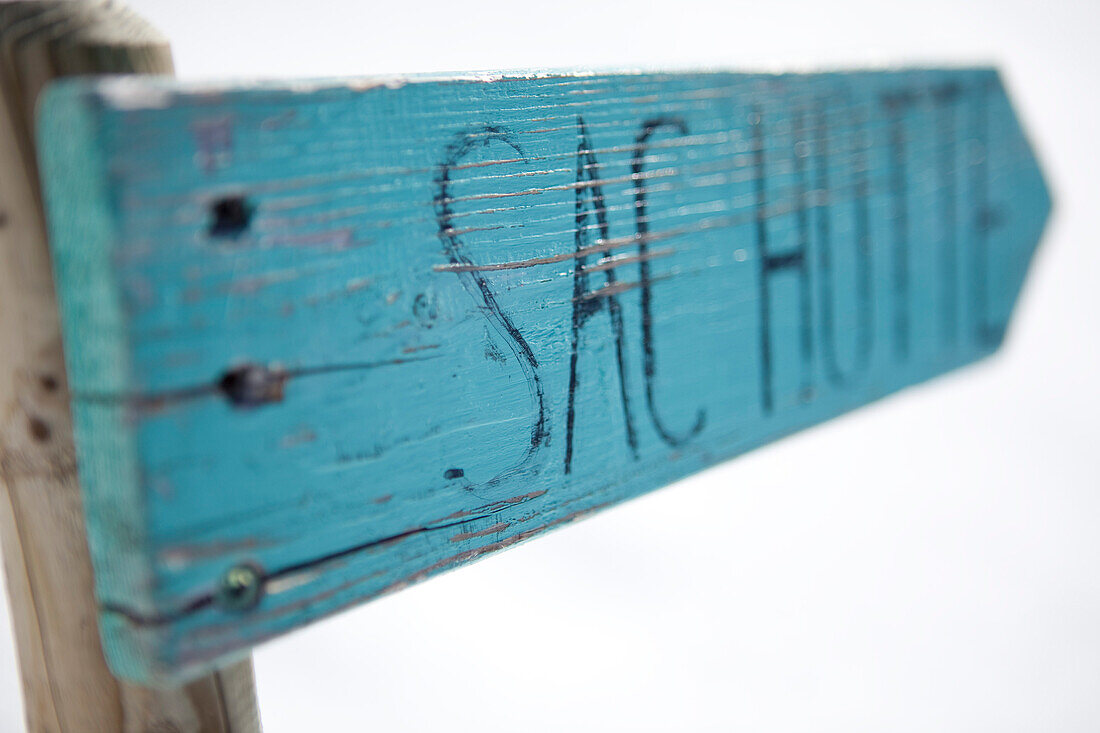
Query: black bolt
x=253, y=384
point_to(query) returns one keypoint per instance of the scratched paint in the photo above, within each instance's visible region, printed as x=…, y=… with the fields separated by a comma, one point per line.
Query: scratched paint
x=337, y=339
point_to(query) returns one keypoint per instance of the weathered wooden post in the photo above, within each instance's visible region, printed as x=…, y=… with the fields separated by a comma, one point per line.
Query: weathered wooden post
x=67, y=686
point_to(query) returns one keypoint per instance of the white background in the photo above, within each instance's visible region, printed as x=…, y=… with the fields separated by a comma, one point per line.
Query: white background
x=930, y=563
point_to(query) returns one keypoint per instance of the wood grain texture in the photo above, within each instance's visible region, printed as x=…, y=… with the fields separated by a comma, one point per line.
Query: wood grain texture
x=327, y=340
x=66, y=683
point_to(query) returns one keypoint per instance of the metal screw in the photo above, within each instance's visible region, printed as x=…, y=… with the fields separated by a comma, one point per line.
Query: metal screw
x=251, y=385
x=240, y=588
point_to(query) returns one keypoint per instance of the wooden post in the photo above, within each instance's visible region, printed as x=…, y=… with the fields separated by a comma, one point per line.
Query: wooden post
x=66, y=684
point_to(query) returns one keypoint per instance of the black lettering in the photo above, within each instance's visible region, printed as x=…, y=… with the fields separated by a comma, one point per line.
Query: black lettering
x=896, y=104
x=945, y=97
x=641, y=147
x=587, y=303
x=985, y=218
x=475, y=284
x=864, y=304
x=771, y=264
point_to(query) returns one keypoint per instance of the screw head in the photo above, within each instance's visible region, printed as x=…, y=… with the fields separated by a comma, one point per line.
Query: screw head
x=251, y=385
x=241, y=588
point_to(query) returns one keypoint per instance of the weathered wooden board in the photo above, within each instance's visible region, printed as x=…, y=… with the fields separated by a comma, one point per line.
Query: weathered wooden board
x=327, y=340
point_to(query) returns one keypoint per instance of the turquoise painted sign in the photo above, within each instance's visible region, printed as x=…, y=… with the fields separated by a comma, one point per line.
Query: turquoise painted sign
x=326, y=340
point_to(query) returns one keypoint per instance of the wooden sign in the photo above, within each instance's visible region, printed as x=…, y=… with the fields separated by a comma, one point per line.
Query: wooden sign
x=327, y=340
